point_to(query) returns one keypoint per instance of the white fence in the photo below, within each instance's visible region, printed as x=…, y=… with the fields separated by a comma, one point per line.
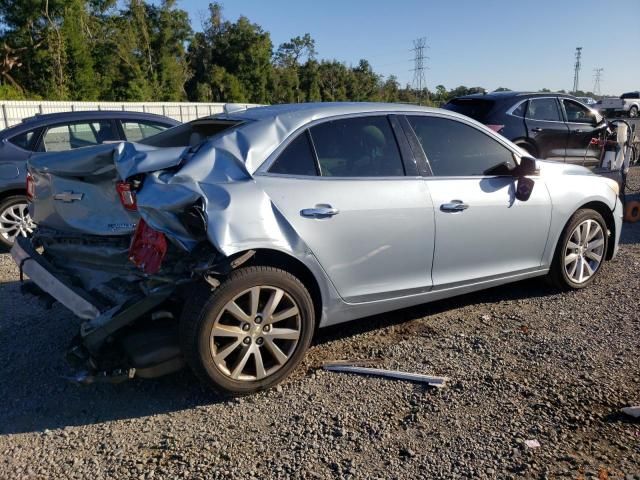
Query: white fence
x=12, y=112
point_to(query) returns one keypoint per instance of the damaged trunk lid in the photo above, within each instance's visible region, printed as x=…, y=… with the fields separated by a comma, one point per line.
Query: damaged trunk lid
x=82, y=192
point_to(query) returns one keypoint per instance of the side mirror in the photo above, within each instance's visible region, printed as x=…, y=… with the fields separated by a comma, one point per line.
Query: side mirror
x=524, y=185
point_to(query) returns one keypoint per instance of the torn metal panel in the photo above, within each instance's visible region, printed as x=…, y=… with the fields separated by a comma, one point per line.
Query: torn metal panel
x=432, y=381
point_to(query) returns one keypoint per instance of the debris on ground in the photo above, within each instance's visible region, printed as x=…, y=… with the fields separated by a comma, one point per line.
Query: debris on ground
x=432, y=381
x=532, y=443
x=632, y=411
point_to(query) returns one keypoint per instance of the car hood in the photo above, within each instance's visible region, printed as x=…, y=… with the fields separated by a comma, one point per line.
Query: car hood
x=549, y=167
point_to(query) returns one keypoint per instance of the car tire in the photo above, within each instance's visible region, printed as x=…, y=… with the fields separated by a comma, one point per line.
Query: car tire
x=633, y=111
x=14, y=219
x=580, y=252
x=228, y=335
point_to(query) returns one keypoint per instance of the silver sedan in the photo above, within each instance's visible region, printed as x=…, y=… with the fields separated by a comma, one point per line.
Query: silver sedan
x=277, y=220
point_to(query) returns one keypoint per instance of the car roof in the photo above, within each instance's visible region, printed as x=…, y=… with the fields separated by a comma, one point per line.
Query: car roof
x=513, y=95
x=45, y=119
x=306, y=112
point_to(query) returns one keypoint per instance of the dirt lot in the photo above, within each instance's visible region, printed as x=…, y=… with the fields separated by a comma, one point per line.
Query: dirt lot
x=525, y=362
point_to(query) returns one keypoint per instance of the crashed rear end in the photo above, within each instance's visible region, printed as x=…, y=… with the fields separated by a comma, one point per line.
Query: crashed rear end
x=123, y=231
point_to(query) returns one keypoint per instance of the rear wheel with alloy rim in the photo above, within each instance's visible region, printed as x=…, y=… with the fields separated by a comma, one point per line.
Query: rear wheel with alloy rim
x=14, y=219
x=581, y=250
x=250, y=332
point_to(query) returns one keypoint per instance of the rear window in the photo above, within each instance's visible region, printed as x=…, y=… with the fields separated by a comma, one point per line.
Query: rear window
x=630, y=95
x=476, y=108
x=189, y=134
x=23, y=140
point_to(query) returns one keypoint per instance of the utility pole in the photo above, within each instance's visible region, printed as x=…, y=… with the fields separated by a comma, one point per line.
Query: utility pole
x=597, y=75
x=419, y=81
x=576, y=73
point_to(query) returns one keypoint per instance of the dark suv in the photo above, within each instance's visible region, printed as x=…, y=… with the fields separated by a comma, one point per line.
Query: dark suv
x=56, y=132
x=549, y=126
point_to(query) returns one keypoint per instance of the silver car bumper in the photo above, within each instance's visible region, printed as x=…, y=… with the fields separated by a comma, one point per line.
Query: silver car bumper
x=39, y=271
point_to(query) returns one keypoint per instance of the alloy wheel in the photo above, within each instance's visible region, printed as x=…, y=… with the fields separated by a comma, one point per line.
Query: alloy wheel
x=584, y=251
x=255, y=333
x=15, y=221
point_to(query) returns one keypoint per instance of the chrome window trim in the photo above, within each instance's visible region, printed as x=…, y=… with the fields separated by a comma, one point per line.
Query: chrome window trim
x=263, y=169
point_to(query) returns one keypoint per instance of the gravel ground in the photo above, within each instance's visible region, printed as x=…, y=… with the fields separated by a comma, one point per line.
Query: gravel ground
x=525, y=362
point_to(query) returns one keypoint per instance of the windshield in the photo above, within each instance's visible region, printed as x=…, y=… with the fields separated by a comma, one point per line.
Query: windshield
x=476, y=108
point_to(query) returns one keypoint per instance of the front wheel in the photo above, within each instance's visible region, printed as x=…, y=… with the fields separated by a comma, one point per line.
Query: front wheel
x=581, y=250
x=249, y=333
x=633, y=111
x=14, y=219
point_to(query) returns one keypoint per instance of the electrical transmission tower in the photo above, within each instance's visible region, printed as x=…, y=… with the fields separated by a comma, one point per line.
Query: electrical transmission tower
x=576, y=73
x=597, y=77
x=419, y=80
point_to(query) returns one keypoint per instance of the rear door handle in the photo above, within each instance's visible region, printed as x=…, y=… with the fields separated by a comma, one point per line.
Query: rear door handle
x=454, y=206
x=536, y=129
x=319, y=211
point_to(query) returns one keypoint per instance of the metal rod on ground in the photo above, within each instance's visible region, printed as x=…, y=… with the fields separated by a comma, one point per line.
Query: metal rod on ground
x=437, y=382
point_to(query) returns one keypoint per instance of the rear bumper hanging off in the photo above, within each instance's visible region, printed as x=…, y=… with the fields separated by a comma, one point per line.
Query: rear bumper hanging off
x=38, y=269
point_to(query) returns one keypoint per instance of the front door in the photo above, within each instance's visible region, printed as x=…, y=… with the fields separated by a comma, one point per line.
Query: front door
x=343, y=188
x=546, y=128
x=482, y=230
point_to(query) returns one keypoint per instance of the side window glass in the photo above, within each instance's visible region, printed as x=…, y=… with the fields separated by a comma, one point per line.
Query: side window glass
x=520, y=110
x=134, y=131
x=456, y=149
x=543, y=109
x=296, y=159
x=23, y=140
x=76, y=135
x=577, y=113
x=357, y=147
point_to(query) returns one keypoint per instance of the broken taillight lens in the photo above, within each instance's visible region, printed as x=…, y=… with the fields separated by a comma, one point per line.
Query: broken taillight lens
x=148, y=248
x=127, y=195
x=31, y=187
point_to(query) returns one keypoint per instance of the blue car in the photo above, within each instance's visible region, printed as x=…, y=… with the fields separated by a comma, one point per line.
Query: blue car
x=57, y=132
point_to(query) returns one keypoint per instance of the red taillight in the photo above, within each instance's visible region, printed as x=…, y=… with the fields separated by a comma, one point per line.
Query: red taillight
x=127, y=195
x=148, y=248
x=31, y=187
x=496, y=128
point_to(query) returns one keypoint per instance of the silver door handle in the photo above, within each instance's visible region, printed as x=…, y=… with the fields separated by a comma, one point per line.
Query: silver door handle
x=536, y=129
x=454, y=206
x=319, y=211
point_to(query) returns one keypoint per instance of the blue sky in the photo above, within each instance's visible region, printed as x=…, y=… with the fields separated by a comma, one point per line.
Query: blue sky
x=519, y=44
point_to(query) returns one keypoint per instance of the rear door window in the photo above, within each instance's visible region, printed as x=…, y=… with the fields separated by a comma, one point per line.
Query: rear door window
x=76, y=135
x=296, y=159
x=135, y=131
x=357, y=147
x=454, y=148
x=545, y=109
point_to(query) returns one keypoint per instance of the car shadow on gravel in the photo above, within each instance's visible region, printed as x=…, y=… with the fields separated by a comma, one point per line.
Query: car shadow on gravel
x=514, y=291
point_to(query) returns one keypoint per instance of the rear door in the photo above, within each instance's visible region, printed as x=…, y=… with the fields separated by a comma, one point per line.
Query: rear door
x=583, y=127
x=546, y=128
x=482, y=230
x=342, y=186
